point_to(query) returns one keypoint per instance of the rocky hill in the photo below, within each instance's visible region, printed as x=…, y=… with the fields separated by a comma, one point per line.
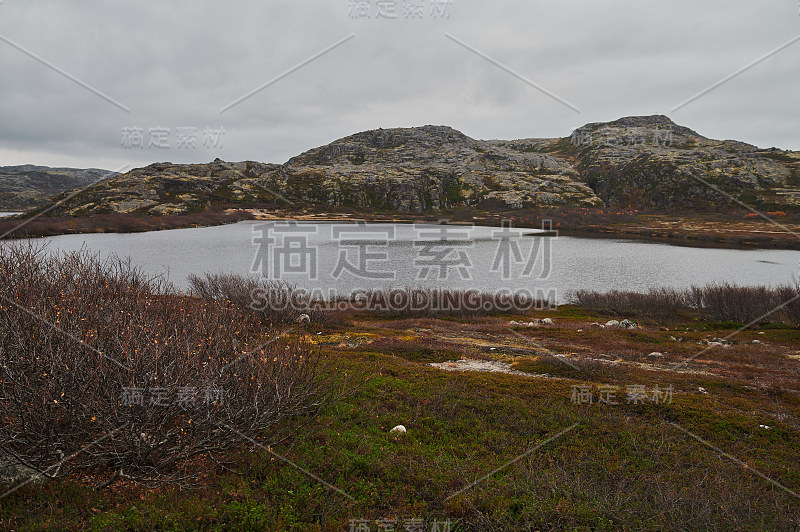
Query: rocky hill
x=652, y=162
x=640, y=162
x=26, y=186
x=432, y=167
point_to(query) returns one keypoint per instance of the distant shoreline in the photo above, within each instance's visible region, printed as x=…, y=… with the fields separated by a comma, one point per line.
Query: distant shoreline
x=687, y=230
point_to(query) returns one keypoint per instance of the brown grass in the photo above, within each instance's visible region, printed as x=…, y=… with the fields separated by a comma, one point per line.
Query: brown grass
x=115, y=223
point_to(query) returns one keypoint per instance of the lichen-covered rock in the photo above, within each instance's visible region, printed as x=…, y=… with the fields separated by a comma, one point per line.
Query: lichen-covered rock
x=26, y=186
x=165, y=209
x=649, y=161
x=631, y=162
x=430, y=168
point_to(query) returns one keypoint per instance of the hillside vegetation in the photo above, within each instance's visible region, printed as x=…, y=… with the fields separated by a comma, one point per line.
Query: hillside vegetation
x=635, y=162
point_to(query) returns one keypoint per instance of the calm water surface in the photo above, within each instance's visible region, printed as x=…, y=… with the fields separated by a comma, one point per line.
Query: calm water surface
x=419, y=255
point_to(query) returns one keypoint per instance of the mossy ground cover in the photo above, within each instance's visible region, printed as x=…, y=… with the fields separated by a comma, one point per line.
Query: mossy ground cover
x=558, y=464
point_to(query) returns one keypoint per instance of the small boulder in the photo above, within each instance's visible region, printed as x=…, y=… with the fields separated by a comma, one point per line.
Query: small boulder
x=595, y=325
x=303, y=319
x=628, y=324
x=399, y=429
x=13, y=471
x=656, y=354
x=612, y=324
x=547, y=321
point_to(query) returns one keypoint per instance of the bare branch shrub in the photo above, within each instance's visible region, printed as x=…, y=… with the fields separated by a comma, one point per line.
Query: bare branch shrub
x=97, y=359
x=657, y=301
x=789, y=297
x=714, y=302
x=275, y=300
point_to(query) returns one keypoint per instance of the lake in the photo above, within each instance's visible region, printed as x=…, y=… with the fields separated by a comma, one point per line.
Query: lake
x=339, y=258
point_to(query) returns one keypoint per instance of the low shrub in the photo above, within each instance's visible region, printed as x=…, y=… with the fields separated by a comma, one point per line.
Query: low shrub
x=657, y=301
x=122, y=376
x=275, y=301
x=721, y=302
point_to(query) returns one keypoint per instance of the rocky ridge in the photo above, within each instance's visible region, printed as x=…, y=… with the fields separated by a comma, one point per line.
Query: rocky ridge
x=653, y=162
x=639, y=162
x=26, y=186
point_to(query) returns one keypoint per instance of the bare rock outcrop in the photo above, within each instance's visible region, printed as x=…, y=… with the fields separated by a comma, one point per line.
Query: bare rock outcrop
x=637, y=162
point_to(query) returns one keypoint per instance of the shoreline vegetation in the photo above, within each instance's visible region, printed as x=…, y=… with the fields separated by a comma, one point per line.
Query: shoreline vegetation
x=733, y=230
x=545, y=398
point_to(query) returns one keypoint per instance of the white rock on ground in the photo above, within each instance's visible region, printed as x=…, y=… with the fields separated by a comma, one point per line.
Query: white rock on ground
x=303, y=318
x=628, y=324
x=532, y=323
x=13, y=472
x=612, y=323
x=466, y=364
x=547, y=321
x=655, y=354
x=399, y=429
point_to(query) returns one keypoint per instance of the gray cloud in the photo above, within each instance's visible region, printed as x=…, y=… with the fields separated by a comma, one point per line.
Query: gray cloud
x=176, y=64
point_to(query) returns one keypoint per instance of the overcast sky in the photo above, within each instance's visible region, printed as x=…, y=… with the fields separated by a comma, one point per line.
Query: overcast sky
x=74, y=74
